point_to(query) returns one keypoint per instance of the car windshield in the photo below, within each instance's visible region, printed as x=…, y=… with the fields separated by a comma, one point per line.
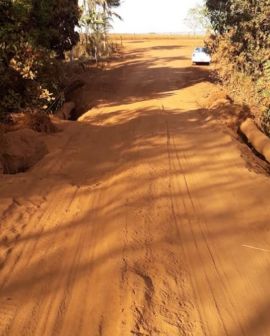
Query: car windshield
x=204, y=50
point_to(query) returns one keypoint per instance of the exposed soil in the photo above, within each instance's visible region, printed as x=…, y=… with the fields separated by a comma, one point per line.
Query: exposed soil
x=143, y=218
x=219, y=109
x=21, y=150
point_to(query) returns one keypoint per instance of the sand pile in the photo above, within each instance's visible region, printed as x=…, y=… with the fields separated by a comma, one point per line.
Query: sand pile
x=219, y=108
x=257, y=138
x=20, y=150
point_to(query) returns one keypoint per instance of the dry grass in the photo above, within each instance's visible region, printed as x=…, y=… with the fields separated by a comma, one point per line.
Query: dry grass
x=124, y=37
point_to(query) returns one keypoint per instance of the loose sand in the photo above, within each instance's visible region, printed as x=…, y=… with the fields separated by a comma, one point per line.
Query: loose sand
x=143, y=218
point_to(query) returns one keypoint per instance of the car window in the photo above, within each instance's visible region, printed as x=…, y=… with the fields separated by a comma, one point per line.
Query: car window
x=200, y=49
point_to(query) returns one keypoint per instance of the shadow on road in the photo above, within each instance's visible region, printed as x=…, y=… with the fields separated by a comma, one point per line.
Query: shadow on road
x=165, y=161
x=137, y=79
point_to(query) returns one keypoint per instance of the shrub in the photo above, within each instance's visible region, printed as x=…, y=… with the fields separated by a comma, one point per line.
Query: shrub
x=240, y=45
x=33, y=34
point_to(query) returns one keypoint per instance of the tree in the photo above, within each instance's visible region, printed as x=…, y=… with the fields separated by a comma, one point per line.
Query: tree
x=197, y=19
x=53, y=24
x=246, y=24
x=32, y=33
x=96, y=22
x=242, y=43
x=218, y=13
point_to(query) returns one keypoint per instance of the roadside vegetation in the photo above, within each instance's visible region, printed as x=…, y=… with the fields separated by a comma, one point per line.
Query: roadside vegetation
x=95, y=23
x=39, y=39
x=240, y=43
x=36, y=36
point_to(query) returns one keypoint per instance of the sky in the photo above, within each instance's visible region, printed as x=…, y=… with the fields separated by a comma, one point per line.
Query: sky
x=153, y=16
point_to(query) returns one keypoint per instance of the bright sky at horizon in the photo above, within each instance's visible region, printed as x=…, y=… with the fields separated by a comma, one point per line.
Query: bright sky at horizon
x=153, y=16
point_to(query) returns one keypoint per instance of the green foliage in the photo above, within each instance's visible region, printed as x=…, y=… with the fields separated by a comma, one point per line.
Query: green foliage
x=218, y=12
x=53, y=23
x=34, y=36
x=241, y=44
x=96, y=23
x=197, y=19
x=33, y=33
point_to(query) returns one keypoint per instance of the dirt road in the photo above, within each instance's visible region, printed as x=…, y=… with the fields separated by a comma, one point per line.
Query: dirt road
x=142, y=219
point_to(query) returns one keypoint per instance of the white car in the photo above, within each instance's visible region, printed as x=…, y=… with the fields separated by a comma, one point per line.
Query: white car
x=201, y=55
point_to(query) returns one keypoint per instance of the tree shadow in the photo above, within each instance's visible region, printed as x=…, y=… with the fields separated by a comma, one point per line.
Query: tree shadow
x=148, y=82
x=127, y=156
x=138, y=77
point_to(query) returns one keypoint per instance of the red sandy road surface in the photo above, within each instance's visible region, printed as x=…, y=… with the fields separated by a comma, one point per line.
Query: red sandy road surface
x=142, y=220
